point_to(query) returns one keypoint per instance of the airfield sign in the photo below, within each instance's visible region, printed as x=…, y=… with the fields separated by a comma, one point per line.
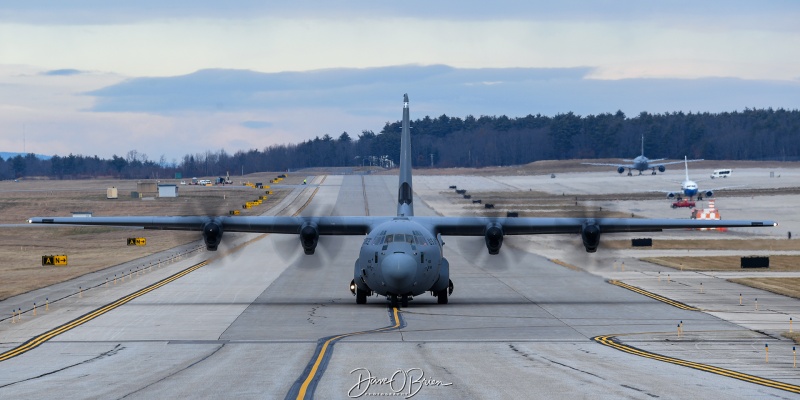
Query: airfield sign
x=137, y=241
x=58, y=260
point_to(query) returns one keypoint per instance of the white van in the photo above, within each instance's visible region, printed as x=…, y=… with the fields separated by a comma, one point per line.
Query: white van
x=721, y=173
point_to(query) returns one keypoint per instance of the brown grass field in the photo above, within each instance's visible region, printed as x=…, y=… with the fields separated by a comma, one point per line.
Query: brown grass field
x=710, y=244
x=792, y=335
x=91, y=249
x=785, y=286
x=723, y=263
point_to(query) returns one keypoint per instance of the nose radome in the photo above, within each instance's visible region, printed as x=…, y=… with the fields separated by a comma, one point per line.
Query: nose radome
x=399, y=270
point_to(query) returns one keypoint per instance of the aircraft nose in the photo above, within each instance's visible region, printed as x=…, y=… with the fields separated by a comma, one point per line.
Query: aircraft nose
x=399, y=270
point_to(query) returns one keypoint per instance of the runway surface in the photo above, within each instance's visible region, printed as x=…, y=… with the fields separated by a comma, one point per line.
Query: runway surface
x=251, y=322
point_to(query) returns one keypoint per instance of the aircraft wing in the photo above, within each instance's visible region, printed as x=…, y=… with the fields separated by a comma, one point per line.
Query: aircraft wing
x=477, y=226
x=325, y=225
x=454, y=226
x=722, y=188
x=673, y=162
x=493, y=229
x=628, y=166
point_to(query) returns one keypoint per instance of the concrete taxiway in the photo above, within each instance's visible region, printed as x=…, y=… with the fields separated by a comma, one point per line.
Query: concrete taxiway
x=251, y=321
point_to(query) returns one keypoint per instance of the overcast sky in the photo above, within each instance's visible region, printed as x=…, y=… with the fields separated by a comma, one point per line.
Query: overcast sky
x=98, y=77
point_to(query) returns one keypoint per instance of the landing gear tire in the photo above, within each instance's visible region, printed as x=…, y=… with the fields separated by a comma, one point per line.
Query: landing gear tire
x=361, y=296
x=630, y=173
x=393, y=300
x=404, y=301
x=441, y=296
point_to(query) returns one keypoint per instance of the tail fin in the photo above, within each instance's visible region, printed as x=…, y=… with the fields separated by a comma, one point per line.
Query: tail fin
x=405, y=200
x=686, y=164
x=643, y=145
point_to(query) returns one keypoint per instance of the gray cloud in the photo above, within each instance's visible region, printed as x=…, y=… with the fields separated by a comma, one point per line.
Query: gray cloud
x=62, y=72
x=439, y=89
x=353, y=89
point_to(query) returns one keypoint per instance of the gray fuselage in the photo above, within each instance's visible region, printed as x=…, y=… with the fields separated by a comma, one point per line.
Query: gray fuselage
x=401, y=257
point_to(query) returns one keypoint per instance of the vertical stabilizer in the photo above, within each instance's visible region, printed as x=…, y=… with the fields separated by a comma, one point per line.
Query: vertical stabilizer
x=405, y=200
x=686, y=164
x=642, y=145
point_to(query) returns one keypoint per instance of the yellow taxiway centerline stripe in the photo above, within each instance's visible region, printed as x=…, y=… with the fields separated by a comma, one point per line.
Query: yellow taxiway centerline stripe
x=608, y=340
x=652, y=295
x=301, y=394
x=38, y=340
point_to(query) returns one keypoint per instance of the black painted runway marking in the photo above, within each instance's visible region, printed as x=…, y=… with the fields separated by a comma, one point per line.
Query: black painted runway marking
x=652, y=295
x=611, y=341
x=306, y=384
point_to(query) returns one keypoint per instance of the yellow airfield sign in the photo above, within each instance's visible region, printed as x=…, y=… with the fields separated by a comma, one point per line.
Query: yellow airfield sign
x=137, y=241
x=58, y=260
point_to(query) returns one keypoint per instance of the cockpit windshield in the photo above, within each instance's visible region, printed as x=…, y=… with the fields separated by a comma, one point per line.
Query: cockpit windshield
x=415, y=238
x=401, y=237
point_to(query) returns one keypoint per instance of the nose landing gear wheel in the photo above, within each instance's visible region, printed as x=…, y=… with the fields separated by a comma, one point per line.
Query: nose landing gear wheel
x=361, y=296
x=441, y=296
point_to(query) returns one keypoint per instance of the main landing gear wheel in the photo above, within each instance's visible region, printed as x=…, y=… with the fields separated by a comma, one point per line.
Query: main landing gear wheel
x=441, y=296
x=404, y=301
x=393, y=300
x=361, y=296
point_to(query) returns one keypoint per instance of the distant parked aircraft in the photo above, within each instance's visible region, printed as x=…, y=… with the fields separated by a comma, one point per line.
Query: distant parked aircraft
x=690, y=189
x=642, y=163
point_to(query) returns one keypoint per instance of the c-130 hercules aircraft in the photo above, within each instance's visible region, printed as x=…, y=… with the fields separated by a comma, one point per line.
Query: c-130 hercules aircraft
x=401, y=256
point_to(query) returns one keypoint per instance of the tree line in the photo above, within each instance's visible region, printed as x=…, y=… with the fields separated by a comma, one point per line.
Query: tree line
x=752, y=134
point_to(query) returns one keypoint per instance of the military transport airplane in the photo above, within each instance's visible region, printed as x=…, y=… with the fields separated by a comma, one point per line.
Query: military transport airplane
x=401, y=256
x=642, y=163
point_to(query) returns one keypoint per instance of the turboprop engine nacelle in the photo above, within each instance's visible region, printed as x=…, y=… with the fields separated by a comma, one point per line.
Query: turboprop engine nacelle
x=212, y=235
x=309, y=237
x=494, y=239
x=590, y=234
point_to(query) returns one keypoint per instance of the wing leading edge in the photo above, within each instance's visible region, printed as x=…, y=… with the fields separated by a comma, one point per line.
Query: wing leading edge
x=477, y=226
x=453, y=226
x=325, y=225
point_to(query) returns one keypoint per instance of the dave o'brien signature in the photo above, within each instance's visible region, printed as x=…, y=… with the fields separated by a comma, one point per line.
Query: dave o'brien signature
x=401, y=383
